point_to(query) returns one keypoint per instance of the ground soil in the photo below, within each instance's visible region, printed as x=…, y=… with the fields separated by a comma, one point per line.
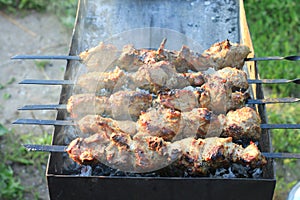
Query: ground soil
x=30, y=33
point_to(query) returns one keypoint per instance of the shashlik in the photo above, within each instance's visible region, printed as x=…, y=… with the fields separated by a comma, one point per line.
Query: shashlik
x=218, y=56
x=217, y=93
x=173, y=125
x=149, y=153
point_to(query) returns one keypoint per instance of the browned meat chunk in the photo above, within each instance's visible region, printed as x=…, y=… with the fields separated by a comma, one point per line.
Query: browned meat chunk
x=226, y=54
x=182, y=100
x=82, y=104
x=91, y=124
x=242, y=123
x=216, y=95
x=235, y=77
x=160, y=122
x=160, y=76
x=96, y=82
x=100, y=58
x=128, y=105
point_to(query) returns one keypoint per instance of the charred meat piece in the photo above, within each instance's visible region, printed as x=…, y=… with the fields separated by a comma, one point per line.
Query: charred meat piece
x=200, y=123
x=242, y=123
x=94, y=82
x=201, y=156
x=100, y=58
x=123, y=105
x=226, y=54
x=128, y=105
x=91, y=124
x=120, y=151
x=183, y=100
x=216, y=95
x=83, y=104
x=159, y=122
x=160, y=76
x=235, y=77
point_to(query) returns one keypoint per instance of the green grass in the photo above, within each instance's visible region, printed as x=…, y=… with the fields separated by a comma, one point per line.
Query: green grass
x=12, y=153
x=275, y=28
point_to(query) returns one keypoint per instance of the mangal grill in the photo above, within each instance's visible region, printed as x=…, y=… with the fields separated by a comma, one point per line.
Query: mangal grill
x=145, y=24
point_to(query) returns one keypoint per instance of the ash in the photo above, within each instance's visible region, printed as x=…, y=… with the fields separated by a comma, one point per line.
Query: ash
x=233, y=171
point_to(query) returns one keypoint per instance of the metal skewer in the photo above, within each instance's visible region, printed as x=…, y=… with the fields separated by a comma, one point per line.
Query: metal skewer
x=72, y=123
x=70, y=82
x=62, y=57
x=62, y=149
x=249, y=101
x=291, y=58
x=46, y=57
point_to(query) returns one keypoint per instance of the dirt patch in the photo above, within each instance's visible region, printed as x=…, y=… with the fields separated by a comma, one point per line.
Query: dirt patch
x=34, y=33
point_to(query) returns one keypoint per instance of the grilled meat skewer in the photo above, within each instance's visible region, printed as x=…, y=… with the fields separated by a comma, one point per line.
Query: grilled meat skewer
x=145, y=154
x=241, y=124
x=218, y=56
x=173, y=125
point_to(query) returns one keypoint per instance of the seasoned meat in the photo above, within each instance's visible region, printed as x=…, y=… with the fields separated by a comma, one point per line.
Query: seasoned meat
x=216, y=95
x=235, y=77
x=100, y=58
x=120, y=151
x=160, y=76
x=128, y=105
x=201, y=156
x=91, y=124
x=226, y=54
x=242, y=123
x=82, y=104
x=160, y=122
x=182, y=100
x=95, y=82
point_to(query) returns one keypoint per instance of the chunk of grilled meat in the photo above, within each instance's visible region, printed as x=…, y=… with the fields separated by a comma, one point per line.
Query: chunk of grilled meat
x=82, y=104
x=128, y=105
x=226, y=54
x=243, y=123
x=216, y=94
x=218, y=56
x=118, y=150
x=122, y=105
x=95, y=82
x=159, y=76
x=202, y=156
x=100, y=58
x=236, y=78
